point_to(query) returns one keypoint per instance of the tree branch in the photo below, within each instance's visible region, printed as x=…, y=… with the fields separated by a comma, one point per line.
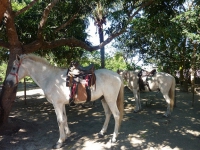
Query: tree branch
x=35, y=45
x=45, y=16
x=4, y=44
x=71, y=42
x=67, y=23
x=26, y=8
x=140, y=8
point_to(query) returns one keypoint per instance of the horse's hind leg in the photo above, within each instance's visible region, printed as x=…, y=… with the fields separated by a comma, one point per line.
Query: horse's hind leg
x=168, y=112
x=61, y=119
x=116, y=115
x=107, y=114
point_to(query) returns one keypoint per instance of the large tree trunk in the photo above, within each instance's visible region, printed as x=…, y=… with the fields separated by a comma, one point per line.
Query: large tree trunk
x=3, y=7
x=8, y=95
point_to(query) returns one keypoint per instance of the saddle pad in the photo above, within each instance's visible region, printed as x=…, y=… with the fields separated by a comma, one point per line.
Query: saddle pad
x=81, y=94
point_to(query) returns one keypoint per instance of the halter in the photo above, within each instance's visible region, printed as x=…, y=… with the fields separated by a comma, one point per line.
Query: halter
x=16, y=73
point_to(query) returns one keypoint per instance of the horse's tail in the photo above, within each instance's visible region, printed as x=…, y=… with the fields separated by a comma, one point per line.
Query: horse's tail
x=172, y=93
x=120, y=102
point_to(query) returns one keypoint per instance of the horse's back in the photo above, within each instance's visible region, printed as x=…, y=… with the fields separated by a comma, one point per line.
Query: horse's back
x=165, y=80
x=107, y=82
x=164, y=76
x=107, y=75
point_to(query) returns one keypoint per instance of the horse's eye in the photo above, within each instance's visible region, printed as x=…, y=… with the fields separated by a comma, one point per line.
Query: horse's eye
x=13, y=68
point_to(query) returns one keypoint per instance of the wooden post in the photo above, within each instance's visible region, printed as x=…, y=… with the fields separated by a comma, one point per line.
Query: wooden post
x=25, y=91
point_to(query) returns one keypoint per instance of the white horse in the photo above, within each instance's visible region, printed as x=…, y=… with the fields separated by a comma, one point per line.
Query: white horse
x=52, y=81
x=160, y=81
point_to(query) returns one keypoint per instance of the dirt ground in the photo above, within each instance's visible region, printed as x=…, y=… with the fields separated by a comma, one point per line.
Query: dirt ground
x=146, y=130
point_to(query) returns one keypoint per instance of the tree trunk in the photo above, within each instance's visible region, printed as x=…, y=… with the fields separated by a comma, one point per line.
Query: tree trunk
x=183, y=79
x=3, y=7
x=8, y=95
x=193, y=70
x=101, y=38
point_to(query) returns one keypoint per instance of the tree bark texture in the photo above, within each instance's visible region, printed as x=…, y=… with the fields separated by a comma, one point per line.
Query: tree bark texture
x=193, y=70
x=3, y=7
x=8, y=95
x=102, y=50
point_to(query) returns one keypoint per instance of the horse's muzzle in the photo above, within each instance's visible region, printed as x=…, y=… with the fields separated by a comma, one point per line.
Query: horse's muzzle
x=9, y=83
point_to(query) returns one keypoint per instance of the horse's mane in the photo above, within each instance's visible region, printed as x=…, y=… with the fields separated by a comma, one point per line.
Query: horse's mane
x=38, y=59
x=41, y=60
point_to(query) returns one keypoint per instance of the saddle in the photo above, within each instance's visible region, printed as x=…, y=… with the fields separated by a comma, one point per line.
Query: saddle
x=80, y=79
x=144, y=73
x=83, y=70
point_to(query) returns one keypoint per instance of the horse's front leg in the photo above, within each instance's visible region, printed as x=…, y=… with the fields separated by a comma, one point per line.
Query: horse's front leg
x=67, y=131
x=139, y=100
x=107, y=114
x=136, y=94
x=61, y=119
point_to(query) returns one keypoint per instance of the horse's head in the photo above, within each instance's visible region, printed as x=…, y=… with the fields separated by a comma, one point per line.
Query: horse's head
x=17, y=72
x=123, y=74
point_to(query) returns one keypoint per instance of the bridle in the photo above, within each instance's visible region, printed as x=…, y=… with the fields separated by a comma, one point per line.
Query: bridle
x=16, y=73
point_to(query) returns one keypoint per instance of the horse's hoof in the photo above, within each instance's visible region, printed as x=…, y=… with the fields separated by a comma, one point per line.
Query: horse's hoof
x=136, y=111
x=165, y=115
x=113, y=140
x=57, y=145
x=100, y=135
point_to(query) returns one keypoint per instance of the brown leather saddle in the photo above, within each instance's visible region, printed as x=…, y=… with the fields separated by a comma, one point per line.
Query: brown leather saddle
x=141, y=82
x=80, y=79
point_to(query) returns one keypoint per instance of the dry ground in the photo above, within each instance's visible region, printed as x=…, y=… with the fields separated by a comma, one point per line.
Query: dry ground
x=146, y=130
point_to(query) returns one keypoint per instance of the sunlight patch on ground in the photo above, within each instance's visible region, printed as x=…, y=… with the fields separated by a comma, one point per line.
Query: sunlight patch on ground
x=159, y=112
x=185, y=131
x=22, y=130
x=131, y=99
x=31, y=92
x=195, y=133
x=164, y=147
x=156, y=123
x=97, y=114
x=196, y=120
x=25, y=138
x=135, y=139
x=86, y=144
x=91, y=145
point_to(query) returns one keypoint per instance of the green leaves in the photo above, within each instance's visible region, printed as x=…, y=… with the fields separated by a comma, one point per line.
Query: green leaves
x=189, y=22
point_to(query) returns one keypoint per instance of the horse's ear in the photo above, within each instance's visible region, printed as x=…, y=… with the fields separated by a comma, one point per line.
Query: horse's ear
x=18, y=57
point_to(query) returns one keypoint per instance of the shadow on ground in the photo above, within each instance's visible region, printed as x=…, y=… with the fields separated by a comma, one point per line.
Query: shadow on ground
x=147, y=129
